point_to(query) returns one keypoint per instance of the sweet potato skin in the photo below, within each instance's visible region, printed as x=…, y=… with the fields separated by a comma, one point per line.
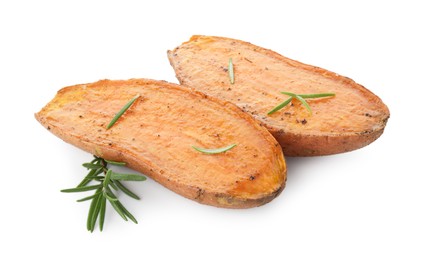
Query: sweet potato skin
x=155, y=136
x=354, y=118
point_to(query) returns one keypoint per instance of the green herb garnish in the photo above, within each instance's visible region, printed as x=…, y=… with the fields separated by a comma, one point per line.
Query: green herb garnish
x=231, y=72
x=107, y=180
x=214, y=151
x=123, y=110
x=301, y=98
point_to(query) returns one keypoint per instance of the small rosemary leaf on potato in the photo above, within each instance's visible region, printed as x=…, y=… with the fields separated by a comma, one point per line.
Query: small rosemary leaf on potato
x=215, y=150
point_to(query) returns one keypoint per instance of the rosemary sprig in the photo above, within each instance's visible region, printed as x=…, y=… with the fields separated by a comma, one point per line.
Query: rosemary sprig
x=278, y=107
x=122, y=111
x=231, y=72
x=301, y=98
x=214, y=151
x=108, y=180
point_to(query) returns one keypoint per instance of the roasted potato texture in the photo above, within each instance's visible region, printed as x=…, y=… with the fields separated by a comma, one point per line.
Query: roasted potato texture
x=156, y=134
x=354, y=118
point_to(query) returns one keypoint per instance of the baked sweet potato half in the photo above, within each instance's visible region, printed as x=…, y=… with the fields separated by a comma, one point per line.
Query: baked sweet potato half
x=351, y=119
x=156, y=134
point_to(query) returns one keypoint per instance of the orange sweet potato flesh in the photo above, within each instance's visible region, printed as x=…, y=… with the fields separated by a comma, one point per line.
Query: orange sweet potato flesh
x=155, y=137
x=355, y=117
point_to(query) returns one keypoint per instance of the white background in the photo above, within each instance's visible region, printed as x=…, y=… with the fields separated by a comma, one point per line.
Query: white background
x=367, y=204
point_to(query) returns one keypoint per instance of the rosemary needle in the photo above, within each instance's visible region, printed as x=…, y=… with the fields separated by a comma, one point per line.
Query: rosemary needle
x=125, y=190
x=215, y=150
x=283, y=104
x=106, y=181
x=231, y=72
x=115, y=163
x=127, y=177
x=303, y=101
x=126, y=212
x=102, y=213
x=318, y=95
x=89, y=197
x=122, y=111
x=118, y=210
x=84, y=188
x=92, y=166
x=96, y=211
